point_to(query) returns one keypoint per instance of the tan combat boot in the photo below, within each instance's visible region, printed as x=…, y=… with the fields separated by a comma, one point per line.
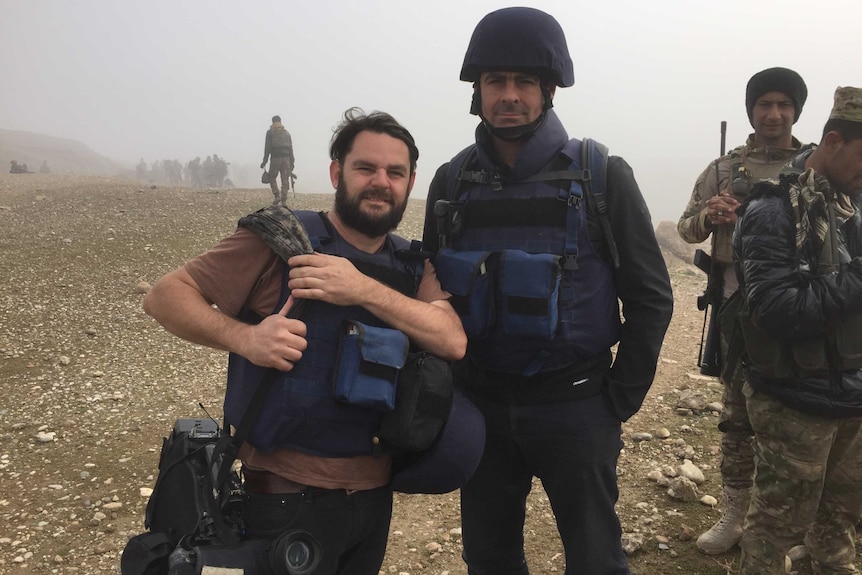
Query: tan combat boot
x=727, y=532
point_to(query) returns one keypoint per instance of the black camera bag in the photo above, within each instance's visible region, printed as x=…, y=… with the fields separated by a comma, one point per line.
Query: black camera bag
x=194, y=484
x=183, y=501
x=423, y=399
x=180, y=500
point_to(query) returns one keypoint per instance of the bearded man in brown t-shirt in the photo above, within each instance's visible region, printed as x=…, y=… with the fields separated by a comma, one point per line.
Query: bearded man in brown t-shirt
x=291, y=482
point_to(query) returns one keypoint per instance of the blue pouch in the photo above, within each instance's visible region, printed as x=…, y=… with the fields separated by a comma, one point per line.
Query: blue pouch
x=369, y=360
x=465, y=276
x=530, y=288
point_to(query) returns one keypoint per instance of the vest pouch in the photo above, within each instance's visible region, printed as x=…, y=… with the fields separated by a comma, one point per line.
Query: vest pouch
x=765, y=354
x=530, y=288
x=465, y=276
x=848, y=341
x=810, y=354
x=369, y=359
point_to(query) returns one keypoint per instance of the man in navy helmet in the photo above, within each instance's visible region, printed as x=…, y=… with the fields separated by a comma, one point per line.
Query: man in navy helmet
x=539, y=237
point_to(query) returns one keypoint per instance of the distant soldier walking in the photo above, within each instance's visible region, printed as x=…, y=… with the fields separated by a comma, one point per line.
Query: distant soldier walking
x=278, y=149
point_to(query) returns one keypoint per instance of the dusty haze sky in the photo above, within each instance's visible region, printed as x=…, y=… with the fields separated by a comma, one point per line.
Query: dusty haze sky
x=163, y=79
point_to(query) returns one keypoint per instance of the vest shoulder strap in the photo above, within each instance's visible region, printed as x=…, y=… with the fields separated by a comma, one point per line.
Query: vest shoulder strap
x=315, y=226
x=457, y=172
x=592, y=159
x=595, y=155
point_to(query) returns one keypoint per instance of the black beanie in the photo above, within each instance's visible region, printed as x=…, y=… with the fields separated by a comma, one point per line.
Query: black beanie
x=781, y=80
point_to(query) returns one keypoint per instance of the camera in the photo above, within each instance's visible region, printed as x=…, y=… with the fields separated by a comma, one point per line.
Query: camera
x=293, y=552
x=202, y=542
x=194, y=515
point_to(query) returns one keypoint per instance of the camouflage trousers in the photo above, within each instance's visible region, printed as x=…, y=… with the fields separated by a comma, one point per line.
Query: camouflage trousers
x=282, y=167
x=807, y=489
x=737, y=437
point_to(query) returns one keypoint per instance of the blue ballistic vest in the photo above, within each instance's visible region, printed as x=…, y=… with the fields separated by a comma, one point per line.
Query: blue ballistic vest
x=548, y=298
x=301, y=411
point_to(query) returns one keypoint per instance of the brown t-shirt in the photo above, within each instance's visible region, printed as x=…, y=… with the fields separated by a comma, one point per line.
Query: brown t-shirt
x=242, y=271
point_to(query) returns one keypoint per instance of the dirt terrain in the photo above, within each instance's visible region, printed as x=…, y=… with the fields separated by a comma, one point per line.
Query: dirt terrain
x=90, y=384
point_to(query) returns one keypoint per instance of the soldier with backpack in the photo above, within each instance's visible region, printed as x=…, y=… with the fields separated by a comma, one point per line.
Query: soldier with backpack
x=539, y=237
x=278, y=149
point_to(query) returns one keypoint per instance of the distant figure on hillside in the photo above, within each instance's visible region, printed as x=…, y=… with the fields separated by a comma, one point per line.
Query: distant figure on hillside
x=16, y=168
x=141, y=170
x=279, y=146
x=219, y=171
x=44, y=169
x=193, y=171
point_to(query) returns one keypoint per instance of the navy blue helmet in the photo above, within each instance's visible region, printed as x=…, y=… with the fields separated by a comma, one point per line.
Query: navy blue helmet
x=519, y=40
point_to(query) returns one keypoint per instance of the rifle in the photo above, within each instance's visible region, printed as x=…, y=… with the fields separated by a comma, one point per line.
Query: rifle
x=293, y=182
x=709, y=354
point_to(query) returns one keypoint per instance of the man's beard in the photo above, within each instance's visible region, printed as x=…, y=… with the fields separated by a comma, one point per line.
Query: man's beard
x=372, y=225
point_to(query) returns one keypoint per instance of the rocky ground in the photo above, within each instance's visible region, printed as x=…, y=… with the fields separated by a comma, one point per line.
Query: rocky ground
x=90, y=385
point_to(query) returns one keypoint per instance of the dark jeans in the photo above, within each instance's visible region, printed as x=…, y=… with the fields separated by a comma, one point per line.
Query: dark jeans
x=351, y=529
x=573, y=448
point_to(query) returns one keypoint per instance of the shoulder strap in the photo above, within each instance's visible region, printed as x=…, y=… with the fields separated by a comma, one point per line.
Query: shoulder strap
x=226, y=450
x=595, y=155
x=316, y=226
x=458, y=172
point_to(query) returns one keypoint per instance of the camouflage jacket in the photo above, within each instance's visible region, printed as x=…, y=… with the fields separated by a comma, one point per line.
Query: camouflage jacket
x=751, y=161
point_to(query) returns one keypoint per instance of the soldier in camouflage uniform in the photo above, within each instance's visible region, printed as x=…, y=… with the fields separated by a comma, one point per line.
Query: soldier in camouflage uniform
x=773, y=99
x=797, y=251
x=279, y=146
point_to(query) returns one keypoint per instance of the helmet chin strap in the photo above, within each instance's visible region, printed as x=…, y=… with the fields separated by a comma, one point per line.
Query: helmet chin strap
x=511, y=133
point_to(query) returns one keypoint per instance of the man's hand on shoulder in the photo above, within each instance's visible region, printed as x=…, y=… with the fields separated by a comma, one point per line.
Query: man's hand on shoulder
x=328, y=278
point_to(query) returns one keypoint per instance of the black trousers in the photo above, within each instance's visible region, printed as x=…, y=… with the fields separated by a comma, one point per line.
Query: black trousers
x=573, y=447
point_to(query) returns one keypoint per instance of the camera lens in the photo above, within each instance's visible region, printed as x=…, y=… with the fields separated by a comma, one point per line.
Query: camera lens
x=298, y=555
